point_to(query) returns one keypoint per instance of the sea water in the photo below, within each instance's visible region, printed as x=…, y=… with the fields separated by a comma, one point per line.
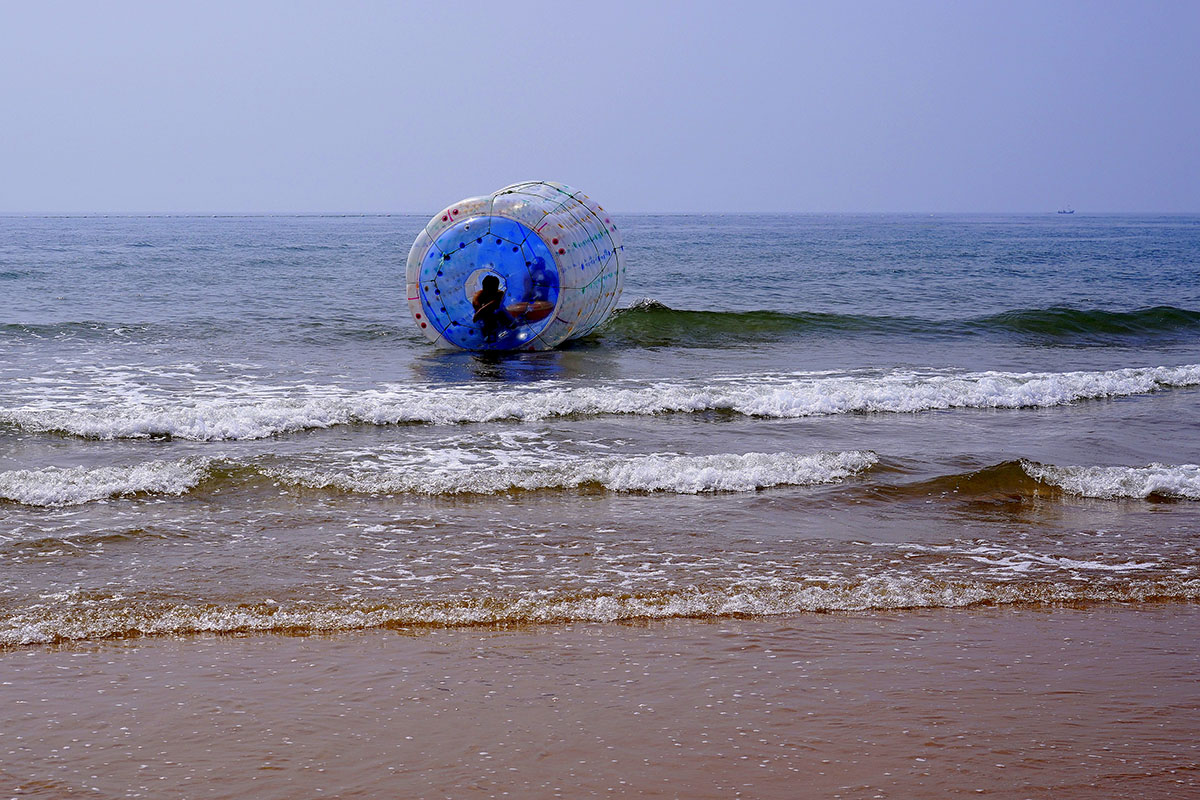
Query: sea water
x=230, y=424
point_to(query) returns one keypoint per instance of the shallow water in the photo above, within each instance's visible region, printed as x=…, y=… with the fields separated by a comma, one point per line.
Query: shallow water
x=229, y=424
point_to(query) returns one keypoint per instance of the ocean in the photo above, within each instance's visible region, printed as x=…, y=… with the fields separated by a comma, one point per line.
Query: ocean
x=226, y=432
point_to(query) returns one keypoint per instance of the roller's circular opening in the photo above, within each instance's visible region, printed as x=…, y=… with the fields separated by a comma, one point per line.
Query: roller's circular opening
x=508, y=316
x=475, y=281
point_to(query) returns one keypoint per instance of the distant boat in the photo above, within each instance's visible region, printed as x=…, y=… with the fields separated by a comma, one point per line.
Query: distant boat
x=1067, y=210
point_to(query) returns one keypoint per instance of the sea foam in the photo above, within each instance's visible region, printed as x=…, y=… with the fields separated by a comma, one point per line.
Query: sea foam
x=247, y=411
x=445, y=472
x=59, y=486
x=1162, y=480
x=726, y=472
x=69, y=618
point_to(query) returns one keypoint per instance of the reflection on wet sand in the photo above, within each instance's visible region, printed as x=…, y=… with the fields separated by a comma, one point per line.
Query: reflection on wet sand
x=1092, y=702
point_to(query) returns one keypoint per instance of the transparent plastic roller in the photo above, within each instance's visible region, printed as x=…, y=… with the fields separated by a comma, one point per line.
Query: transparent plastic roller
x=524, y=268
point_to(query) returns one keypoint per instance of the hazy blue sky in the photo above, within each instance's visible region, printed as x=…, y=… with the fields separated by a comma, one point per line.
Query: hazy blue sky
x=373, y=106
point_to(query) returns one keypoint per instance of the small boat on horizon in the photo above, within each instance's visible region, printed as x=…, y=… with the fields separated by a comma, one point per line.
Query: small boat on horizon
x=1066, y=210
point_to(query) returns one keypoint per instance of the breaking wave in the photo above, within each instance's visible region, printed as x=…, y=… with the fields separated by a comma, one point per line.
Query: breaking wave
x=651, y=323
x=66, y=486
x=214, y=412
x=1156, y=480
x=727, y=472
x=118, y=617
x=654, y=473
x=1020, y=479
x=440, y=472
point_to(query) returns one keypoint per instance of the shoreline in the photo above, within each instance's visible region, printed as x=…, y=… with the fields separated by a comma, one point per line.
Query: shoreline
x=1006, y=702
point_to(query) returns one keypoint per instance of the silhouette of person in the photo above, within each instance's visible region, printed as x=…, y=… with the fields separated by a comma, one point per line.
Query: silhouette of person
x=490, y=312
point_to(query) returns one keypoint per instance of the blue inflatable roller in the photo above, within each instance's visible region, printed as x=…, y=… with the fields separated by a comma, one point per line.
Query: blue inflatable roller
x=524, y=268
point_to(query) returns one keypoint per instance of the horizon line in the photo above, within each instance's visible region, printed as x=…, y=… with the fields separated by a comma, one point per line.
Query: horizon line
x=348, y=214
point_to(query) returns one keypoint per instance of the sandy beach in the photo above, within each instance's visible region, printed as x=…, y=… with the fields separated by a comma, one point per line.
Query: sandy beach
x=1086, y=702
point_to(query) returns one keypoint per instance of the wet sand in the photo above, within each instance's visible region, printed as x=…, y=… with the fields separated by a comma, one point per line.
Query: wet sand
x=1101, y=701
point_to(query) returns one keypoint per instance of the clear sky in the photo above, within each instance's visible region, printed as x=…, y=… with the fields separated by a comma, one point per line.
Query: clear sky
x=648, y=106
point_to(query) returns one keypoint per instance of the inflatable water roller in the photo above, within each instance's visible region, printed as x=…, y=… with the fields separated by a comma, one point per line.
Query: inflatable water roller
x=524, y=268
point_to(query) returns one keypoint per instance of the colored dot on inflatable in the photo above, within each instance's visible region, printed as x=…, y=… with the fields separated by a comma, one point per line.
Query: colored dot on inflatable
x=510, y=286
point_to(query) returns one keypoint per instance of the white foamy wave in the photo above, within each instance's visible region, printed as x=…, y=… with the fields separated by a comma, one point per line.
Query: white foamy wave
x=68, y=619
x=1109, y=483
x=244, y=411
x=653, y=473
x=999, y=561
x=58, y=486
